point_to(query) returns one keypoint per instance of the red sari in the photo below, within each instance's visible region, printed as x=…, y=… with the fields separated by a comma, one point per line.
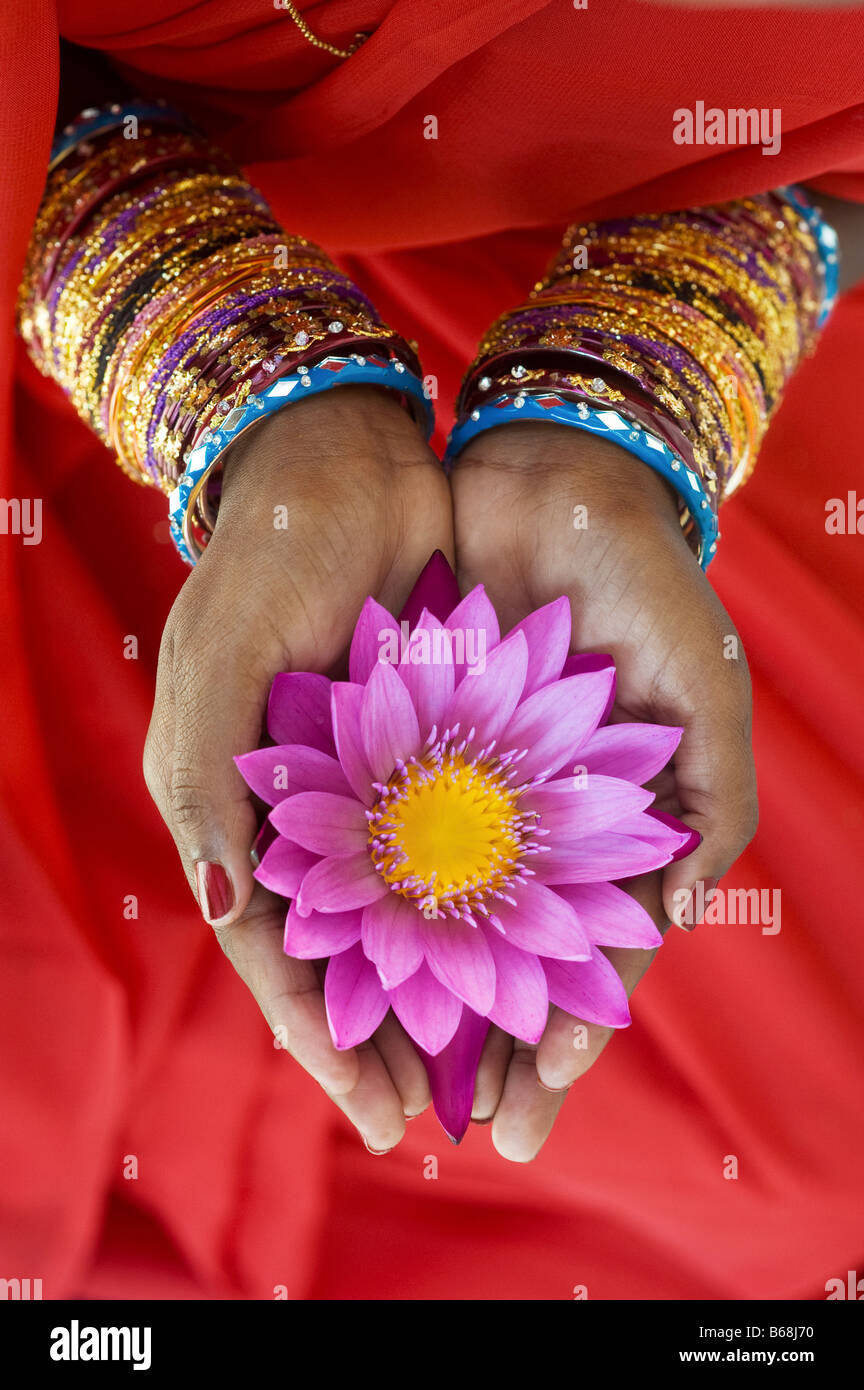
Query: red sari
x=129, y=1037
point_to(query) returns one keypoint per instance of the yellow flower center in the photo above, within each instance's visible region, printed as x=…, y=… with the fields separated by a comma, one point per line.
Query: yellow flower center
x=447, y=834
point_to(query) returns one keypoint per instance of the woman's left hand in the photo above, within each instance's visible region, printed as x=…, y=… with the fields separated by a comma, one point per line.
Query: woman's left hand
x=637, y=593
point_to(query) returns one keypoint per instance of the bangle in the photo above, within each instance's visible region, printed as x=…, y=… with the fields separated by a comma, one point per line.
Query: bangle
x=175, y=312
x=103, y=119
x=674, y=334
x=827, y=243
x=333, y=371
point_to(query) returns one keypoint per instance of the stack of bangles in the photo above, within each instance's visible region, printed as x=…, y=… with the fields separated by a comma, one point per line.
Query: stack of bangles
x=672, y=335
x=162, y=296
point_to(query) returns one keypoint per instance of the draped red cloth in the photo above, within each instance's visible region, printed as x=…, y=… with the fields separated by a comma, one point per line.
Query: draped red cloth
x=155, y=1143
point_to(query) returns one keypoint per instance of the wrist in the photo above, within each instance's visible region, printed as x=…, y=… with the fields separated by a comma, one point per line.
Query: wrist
x=553, y=457
x=326, y=432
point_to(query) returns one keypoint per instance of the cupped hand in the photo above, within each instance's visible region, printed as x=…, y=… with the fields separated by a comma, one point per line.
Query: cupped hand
x=543, y=510
x=327, y=502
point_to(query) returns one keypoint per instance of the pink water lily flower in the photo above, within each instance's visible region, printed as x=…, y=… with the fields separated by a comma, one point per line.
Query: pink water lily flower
x=448, y=824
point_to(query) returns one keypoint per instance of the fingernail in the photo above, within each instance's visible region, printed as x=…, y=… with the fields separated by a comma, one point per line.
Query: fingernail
x=708, y=886
x=694, y=904
x=681, y=912
x=487, y=1120
x=554, y=1090
x=215, y=894
x=379, y=1153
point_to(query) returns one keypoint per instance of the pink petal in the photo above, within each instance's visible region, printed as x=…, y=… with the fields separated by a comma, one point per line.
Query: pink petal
x=547, y=630
x=374, y=626
x=459, y=956
x=554, y=722
x=570, y=809
x=274, y=773
x=427, y=1010
x=347, y=702
x=322, y=822
x=453, y=1071
x=340, y=883
x=391, y=939
x=487, y=700
x=543, y=923
x=436, y=589
x=388, y=723
x=664, y=832
x=321, y=934
x=298, y=710
x=610, y=916
x=263, y=840
x=589, y=990
x=475, y=614
x=521, y=1005
x=429, y=683
x=636, y=752
x=599, y=858
x=356, y=1003
x=690, y=839
x=583, y=662
x=283, y=867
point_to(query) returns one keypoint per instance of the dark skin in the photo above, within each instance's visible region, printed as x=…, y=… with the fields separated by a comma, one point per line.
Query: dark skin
x=368, y=504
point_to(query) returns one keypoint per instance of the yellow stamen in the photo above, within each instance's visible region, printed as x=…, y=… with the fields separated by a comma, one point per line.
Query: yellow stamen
x=449, y=828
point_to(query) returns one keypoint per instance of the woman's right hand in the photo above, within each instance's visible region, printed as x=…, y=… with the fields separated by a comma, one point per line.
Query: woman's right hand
x=366, y=505
x=543, y=510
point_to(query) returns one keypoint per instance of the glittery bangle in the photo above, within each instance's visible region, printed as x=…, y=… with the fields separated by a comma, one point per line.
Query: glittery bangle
x=826, y=241
x=162, y=295
x=678, y=330
x=326, y=375
x=98, y=120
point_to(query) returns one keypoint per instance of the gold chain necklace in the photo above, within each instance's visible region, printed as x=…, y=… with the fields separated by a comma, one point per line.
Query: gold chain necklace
x=313, y=38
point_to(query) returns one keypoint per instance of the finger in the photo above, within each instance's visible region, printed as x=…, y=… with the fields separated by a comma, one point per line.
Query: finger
x=716, y=787
x=404, y=1066
x=287, y=991
x=373, y=1105
x=647, y=889
x=214, y=710
x=491, y=1074
x=290, y=995
x=568, y=1048
x=526, y=1113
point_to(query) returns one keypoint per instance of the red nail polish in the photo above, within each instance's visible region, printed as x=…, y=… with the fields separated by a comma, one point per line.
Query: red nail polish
x=215, y=894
